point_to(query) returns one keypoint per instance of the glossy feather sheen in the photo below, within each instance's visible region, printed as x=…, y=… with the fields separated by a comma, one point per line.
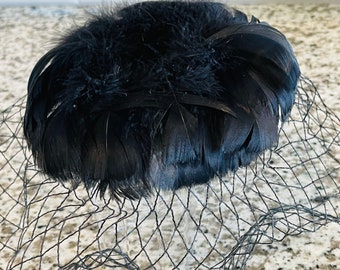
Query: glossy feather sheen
x=159, y=95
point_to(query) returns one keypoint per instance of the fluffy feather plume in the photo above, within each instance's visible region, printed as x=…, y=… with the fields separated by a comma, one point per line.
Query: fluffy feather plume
x=159, y=95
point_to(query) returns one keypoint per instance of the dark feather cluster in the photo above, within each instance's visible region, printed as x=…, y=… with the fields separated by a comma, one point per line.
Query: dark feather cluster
x=159, y=95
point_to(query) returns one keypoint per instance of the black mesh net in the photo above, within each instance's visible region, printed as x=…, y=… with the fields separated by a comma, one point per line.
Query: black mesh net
x=291, y=189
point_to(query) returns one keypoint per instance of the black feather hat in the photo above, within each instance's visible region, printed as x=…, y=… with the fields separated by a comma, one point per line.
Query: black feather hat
x=159, y=95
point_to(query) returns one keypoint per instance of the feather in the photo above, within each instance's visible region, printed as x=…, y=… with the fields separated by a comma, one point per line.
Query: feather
x=159, y=95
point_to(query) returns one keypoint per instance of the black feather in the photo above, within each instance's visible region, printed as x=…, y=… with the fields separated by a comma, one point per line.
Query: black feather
x=159, y=95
